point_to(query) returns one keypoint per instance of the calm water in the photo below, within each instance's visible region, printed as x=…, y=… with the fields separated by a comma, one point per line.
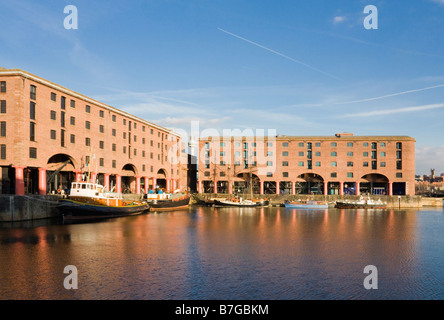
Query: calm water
x=229, y=253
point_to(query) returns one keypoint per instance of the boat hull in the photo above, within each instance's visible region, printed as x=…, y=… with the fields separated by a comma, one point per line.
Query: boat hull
x=236, y=204
x=71, y=210
x=170, y=204
x=306, y=206
x=346, y=205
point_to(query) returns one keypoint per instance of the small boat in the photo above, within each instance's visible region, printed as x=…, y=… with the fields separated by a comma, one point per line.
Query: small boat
x=88, y=200
x=238, y=203
x=361, y=204
x=309, y=204
x=168, y=201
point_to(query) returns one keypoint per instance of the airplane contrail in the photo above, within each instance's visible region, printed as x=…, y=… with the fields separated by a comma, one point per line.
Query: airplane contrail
x=393, y=111
x=391, y=95
x=279, y=54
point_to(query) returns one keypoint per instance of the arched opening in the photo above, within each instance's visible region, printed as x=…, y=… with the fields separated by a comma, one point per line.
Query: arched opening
x=161, y=179
x=59, y=174
x=129, y=172
x=374, y=183
x=247, y=183
x=309, y=183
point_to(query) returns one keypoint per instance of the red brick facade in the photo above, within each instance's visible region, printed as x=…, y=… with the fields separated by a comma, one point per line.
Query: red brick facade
x=340, y=164
x=45, y=126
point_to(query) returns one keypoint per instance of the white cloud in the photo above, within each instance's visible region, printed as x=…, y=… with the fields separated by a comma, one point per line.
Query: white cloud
x=338, y=19
x=428, y=157
x=392, y=111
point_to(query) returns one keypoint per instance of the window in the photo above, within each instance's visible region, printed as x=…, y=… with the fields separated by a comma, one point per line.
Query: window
x=32, y=131
x=33, y=92
x=309, y=154
x=301, y=153
x=53, y=115
x=333, y=164
x=285, y=174
x=398, y=174
x=101, y=162
x=73, y=138
x=365, y=144
x=285, y=154
x=317, y=154
x=113, y=118
x=3, y=129
x=62, y=102
x=87, y=125
x=3, y=106
x=207, y=173
x=246, y=145
x=33, y=153
x=382, y=144
x=373, y=154
x=101, y=129
x=349, y=144
x=349, y=164
x=113, y=163
x=301, y=163
x=285, y=144
x=382, y=154
x=399, y=165
x=114, y=147
x=73, y=121
x=269, y=153
x=3, y=152
x=207, y=145
x=101, y=144
x=53, y=134
x=222, y=144
x=87, y=109
x=222, y=174
x=374, y=144
x=333, y=175
x=113, y=132
x=365, y=154
x=399, y=145
x=365, y=164
x=309, y=145
x=124, y=149
x=269, y=144
x=333, y=144
x=53, y=96
x=87, y=142
x=2, y=86
x=398, y=154
x=62, y=118
x=317, y=163
x=124, y=123
x=300, y=144
x=349, y=174
x=269, y=174
x=101, y=114
x=333, y=154
x=317, y=144
x=73, y=104
x=32, y=110
x=374, y=165
x=62, y=138
x=309, y=164
x=285, y=163
x=382, y=164
x=349, y=154
x=269, y=163
x=124, y=135
x=253, y=144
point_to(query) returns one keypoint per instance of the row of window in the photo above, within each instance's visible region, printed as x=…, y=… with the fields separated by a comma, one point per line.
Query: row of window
x=286, y=174
x=308, y=144
x=309, y=154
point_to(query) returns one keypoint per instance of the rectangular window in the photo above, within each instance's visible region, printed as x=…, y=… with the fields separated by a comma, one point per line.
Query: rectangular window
x=349, y=164
x=365, y=144
x=269, y=174
x=53, y=96
x=62, y=102
x=374, y=144
x=399, y=145
x=309, y=164
x=269, y=163
x=398, y=154
x=3, y=106
x=53, y=134
x=365, y=164
x=114, y=147
x=333, y=175
x=3, y=129
x=309, y=145
x=73, y=104
x=114, y=164
x=300, y=144
x=87, y=142
x=33, y=153
x=382, y=164
x=382, y=144
x=269, y=153
x=399, y=165
x=101, y=114
x=3, y=152
x=87, y=125
x=32, y=131
x=101, y=129
x=113, y=118
x=62, y=119
x=365, y=154
x=285, y=163
x=333, y=164
x=285, y=154
x=124, y=149
x=101, y=162
x=301, y=163
x=374, y=165
x=222, y=174
x=301, y=153
x=309, y=154
x=33, y=92
x=373, y=154
x=269, y=144
x=53, y=115
x=317, y=154
x=333, y=154
x=285, y=174
x=333, y=144
x=101, y=144
x=87, y=109
x=32, y=110
x=222, y=144
x=317, y=163
x=382, y=154
x=398, y=174
x=73, y=138
x=349, y=174
x=349, y=154
x=62, y=138
x=349, y=144
x=73, y=121
x=245, y=145
x=113, y=132
x=2, y=86
x=285, y=144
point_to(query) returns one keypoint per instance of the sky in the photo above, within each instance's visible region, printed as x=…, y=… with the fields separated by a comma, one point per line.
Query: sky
x=299, y=67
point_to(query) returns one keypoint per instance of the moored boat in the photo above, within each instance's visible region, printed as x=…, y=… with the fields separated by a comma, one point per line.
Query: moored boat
x=168, y=201
x=309, y=204
x=361, y=204
x=88, y=200
x=239, y=203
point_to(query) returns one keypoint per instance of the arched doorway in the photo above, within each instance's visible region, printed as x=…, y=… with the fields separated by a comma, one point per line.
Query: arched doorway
x=59, y=172
x=248, y=184
x=309, y=183
x=374, y=183
x=161, y=179
x=129, y=172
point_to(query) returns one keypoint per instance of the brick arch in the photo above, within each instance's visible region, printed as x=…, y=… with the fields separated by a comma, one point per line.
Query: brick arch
x=57, y=160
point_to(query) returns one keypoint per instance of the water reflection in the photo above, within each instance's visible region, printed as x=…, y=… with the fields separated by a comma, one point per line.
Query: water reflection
x=228, y=253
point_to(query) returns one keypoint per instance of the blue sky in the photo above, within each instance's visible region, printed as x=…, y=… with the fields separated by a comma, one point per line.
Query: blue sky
x=299, y=67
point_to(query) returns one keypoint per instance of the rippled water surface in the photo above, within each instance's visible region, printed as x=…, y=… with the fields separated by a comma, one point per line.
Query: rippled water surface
x=229, y=253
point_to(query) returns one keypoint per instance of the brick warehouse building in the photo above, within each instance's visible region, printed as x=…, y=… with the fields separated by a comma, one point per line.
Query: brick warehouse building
x=340, y=164
x=51, y=136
